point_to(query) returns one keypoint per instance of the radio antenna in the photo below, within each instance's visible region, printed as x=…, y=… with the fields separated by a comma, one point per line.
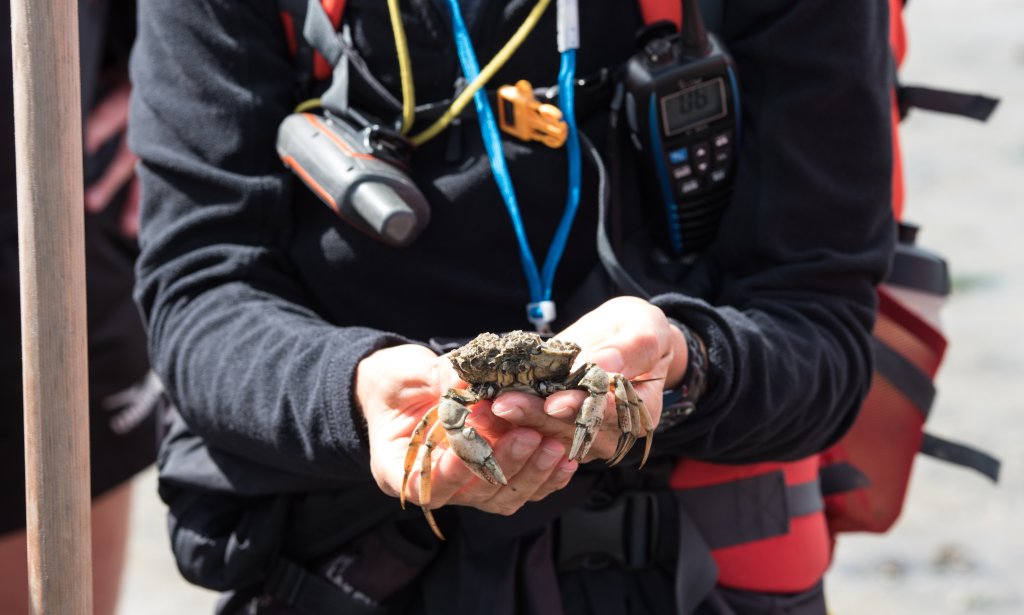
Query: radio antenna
x=694, y=36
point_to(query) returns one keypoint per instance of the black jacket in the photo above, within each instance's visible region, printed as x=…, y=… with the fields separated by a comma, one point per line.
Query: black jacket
x=260, y=302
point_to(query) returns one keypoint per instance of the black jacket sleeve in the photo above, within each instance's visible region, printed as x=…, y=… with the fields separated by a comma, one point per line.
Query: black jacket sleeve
x=250, y=366
x=807, y=237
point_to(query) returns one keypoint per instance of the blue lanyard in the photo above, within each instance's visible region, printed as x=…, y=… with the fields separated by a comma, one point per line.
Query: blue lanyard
x=541, y=309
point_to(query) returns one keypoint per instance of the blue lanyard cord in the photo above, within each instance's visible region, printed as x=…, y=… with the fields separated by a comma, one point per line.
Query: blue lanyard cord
x=492, y=143
x=566, y=102
x=540, y=292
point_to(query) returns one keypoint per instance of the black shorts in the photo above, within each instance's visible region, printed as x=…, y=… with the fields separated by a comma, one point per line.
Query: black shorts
x=122, y=391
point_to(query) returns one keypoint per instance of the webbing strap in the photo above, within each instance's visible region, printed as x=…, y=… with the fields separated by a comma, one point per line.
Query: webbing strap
x=804, y=499
x=749, y=509
x=905, y=376
x=311, y=594
x=712, y=11
x=961, y=455
x=841, y=477
x=974, y=106
x=320, y=32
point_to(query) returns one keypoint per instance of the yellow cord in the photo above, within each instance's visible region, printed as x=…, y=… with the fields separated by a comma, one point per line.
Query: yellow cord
x=404, y=68
x=485, y=75
x=306, y=105
x=463, y=99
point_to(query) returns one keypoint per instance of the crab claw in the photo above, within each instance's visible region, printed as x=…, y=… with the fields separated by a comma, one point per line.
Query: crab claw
x=470, y=446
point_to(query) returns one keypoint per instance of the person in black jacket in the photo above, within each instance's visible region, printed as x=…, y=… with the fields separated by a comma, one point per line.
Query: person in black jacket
x=296, y=349
x=122, y=391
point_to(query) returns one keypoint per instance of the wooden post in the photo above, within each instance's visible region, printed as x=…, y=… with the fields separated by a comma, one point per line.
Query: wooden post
x=48, y=147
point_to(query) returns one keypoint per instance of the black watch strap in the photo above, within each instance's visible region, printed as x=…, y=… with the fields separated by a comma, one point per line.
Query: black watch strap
x=680, y=402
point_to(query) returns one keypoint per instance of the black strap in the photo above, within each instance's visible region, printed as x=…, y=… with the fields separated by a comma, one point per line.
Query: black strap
x=696, y=570
x=625, y=282
x=840, y=478
x=750, y=509
x=905, y=376
x=310, y=594
x=974, y=106
x=961, y=455
x=317, y=32
x=804, y=498
x=628, y=530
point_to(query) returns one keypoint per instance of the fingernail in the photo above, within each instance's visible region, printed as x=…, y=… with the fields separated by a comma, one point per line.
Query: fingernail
x=508, y=412
x=609, y=358
x=567, y=468
x=562, y=412
x=549, y=455
x=523, y=446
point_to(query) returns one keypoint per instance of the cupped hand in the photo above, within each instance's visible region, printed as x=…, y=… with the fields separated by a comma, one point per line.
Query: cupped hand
x=396, y=386
x=624, y=335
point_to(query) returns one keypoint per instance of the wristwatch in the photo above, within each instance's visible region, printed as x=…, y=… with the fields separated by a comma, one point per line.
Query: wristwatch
x=679, y=403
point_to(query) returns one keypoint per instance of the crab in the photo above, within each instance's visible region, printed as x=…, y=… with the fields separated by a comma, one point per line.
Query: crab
x=521, y=361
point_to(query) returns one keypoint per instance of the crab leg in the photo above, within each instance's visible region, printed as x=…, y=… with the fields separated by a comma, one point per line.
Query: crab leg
x=646, y=424
x=431, y=441
x=626, y=409
x=415, y=441
x=588, y=421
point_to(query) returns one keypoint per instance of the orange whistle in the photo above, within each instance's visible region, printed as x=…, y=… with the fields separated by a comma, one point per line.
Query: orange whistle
x=521, y=115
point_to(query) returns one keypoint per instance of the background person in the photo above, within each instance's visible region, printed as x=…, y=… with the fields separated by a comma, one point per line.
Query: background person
x=122, y=391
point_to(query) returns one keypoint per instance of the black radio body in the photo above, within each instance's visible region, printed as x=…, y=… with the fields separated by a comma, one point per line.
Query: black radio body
x=683, y=112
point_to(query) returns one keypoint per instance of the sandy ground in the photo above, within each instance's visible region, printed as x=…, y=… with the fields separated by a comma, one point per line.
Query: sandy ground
x=959, y=547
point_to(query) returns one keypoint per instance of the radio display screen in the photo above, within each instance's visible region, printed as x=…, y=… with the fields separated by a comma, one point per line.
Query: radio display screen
x=687, y=108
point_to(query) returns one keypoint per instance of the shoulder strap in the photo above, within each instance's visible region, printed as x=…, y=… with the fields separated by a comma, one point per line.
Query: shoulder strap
x=672, y=10
x=322, y=53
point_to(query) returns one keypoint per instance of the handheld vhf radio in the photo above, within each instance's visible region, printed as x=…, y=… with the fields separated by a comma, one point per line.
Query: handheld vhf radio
x=682, y=108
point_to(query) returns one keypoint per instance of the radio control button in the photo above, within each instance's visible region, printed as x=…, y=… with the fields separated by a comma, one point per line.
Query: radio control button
x=682, y=171
x=702, y=167
x=678, y=156
x=700, y=152
x=722, y=156
x=689, y=186
x=722, y=140
x=718, y=176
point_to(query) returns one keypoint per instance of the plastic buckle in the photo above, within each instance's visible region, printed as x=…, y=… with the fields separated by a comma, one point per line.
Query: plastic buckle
x=521, y=115
x=541, y=314
x=387, y=144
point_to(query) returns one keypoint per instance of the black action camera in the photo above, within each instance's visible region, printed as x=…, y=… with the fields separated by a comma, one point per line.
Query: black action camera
x=683, y=112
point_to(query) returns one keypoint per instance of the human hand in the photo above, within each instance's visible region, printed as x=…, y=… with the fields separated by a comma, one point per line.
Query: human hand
x=396, y=386
x=107, y=120
x=624, y=335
